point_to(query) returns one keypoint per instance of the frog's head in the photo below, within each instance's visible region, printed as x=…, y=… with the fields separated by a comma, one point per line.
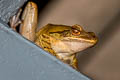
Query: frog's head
x=74, y=39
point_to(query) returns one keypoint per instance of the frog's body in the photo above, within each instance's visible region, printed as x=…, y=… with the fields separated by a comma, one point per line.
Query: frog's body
x=64, y=41
x=60, y=40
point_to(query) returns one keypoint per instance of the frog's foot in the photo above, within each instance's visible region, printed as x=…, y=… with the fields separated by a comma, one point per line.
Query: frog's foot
x=74, y=64
x=15, y=21
x=72, y=61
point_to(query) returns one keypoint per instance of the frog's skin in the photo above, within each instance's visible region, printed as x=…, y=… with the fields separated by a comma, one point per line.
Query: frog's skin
x=60, y=40
x=65, y=41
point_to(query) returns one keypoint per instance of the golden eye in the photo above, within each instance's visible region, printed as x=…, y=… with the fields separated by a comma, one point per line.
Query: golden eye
x=75, y=32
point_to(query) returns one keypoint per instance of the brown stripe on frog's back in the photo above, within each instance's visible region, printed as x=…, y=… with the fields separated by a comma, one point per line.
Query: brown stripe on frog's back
x=59, y=32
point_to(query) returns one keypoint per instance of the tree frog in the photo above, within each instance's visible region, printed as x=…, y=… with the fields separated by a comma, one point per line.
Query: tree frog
x=61, y=41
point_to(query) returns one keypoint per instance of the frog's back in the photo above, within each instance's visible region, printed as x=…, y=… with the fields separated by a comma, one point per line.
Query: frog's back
x=52, y=28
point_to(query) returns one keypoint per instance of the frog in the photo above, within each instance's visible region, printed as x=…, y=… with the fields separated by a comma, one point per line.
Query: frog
x=65, y=41
x=61, y=41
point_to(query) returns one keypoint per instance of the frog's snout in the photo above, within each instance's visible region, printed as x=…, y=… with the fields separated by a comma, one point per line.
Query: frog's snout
x=94, y=38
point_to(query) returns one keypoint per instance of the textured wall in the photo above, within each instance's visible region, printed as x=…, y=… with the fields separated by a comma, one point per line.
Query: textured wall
x=9, y=8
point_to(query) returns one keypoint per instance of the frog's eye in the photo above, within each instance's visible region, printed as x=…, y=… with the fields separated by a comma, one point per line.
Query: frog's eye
x=75, y=32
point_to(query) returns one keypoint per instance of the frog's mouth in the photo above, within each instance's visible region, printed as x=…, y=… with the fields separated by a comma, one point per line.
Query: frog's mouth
x=82, y=40
x=69, y=46
x=78, y=44
x=88, y=37
x=73, y=45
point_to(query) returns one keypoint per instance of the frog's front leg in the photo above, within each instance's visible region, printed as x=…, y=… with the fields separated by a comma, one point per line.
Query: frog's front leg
x=74, y=63
x=15, y=21
x=71, y=60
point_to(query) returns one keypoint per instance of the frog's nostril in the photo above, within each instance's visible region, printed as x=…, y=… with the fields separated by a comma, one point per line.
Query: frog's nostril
x=92, y=34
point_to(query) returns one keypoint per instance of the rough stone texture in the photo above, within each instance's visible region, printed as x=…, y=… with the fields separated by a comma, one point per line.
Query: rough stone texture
x=23, y=60
x=9, y=8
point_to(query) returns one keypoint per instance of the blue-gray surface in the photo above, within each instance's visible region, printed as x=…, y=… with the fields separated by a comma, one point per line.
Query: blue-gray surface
x=23, y=60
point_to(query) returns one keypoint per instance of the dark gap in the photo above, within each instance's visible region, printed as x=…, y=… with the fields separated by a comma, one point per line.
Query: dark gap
x=41, y=4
